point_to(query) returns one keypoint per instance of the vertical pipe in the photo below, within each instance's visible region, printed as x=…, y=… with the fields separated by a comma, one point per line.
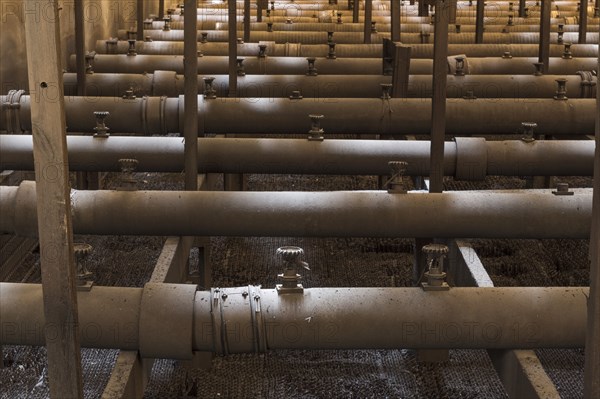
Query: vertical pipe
x=140, y=20
x=438, y=104
x=232, y=29
x=356, y=11
x=544, y=45
x=522, y=8
x=479, y=21
x=583, y=6
x=246, y=20
x=42, y=37
x=80, y=47
x=161, y=10
x=368, y=20
x=591, y=383
x=190, y=124
x=395, y=16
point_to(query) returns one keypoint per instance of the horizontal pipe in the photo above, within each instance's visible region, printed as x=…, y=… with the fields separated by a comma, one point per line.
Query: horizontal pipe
x=249, y=319
x=307, y=214
x=160, y=115
x=337, y=157
x=253, y=65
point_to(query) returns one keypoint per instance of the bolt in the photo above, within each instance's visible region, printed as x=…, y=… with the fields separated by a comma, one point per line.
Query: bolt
x=460, y=65
x=240, y=67
x=331, y=53
x=386, y=89
x=373, y=26
x=316, y=132
x=329, y=37
x=128, y=167
x=567, y=55
x=167, y=25
x=101, y=130
x=209, y=92
x=296, y=95
x=81, y=252
x=245, y=294
x=339, y=18
x=435, y=264
x=507, y=55
x=538, y=68
x=224, y=296
x=528, y=131
x=561, y=91
x=262, y=50
x=396, y=182
x=203, y=37
x=131, y=50
x=457, y=26
x=269, y=26
x=312, y=71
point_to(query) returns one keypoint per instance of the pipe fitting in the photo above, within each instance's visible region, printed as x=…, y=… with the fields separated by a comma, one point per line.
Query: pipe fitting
x=296, y=95
x=81, y=251
x=351, y=5
x=268, y=13
x=561, y=91
x=203, y=37
x=506, y=55
x=510, y=6
x=596, y=12
x=339, y=18
x=373, y=26
x=567, y=55
x=386, y=89
x=89, y=58
x=167, y=24
x=131, y=51
x=128, y=167
x=538, y=68
x=273, y=6
x=526, y=12
x=330, y=37
x=148, y=39
x=131, y=34
x=469, y=95
x=316, y=132
x=240, y=40
x=460, y=66
x=269, y=26
x=528, y=131
x=101, y=130
x=331, y=54
x=560, y=39
x=289, y=21
x=240, y=67
x=290, y=277
x=262, y=50
x=148, y=23
x=209, y=91
x=129, y=94
x=432, y=19
x=312, y=71
x=510, y=21
x=457, y=28
x=435, y=275
x=395, y=185
x=562, y=189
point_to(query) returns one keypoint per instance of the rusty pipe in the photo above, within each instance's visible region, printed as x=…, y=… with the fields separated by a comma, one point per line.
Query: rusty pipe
x=311, y=214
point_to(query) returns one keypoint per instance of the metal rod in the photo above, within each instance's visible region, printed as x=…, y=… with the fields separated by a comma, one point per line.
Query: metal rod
x=544, y=43
x=356, y=11
x=161, y=9
x=246, y=20
x=308, y=214
x=583, y=22
x=368, y=20
x=479, y=23
x=140, y=20
x=319, y=318
x=396, y=15
x=190, y=127
x=53, y=204
x=232, y=33
x=438, y=104
x=522, y=5
x=472, y=158
x=80, y=48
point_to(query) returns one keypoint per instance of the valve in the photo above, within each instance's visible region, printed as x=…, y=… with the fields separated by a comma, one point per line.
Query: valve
x=131, y=51
x=373, y=26
x=339, y=18
x=395, y=185
x=510, y=20
x=128, y=167
x=81, y=252
x=331, y=54
x=316, y=132
x=129, y=94
x=209, y=91
x=330, y=37
x=510, y=6
x=312, y=71
x=460, y=66
x=296, y=95
x=567, y=55
x=262, y=50
x=457, y=28
x=386, y=89
x=240, y=67
x=268, y=13
x=269, y=26
x=528, y=131
x=273, y=6
x=538, y=68
x=561, y=91
x=89, y=57
x=290, y=277
x=435, y=275
x=167, y=25
x=203, y=37
x=506, y=55
x=101, y=130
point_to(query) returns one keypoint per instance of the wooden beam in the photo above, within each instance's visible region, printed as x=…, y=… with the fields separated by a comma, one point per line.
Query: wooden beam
x=190, y=65
x=246, y=20
x=367, y=22
x=42, y=36
x=80, y=48
x=591, y=387
x=479, y=21
x=232, y=26
x=140, y=19
x=583, y=15
x=438, y=104
x=356, y=11
x=544, y=45
x=396, y=15
x=161, y=10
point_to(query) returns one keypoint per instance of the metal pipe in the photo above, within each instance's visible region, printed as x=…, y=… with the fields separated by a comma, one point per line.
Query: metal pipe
x=190, y=121
x=140, y=19
x=544, y=41
x=465, y=158
x=396, y=17
x=232, y=39
x=367, y=22
x=312, y=214
x=214, y=65
x=583, y=27
x=80, y=48
x=164, y=83
x=250, y=319
x=159, y=115
x=479, y=22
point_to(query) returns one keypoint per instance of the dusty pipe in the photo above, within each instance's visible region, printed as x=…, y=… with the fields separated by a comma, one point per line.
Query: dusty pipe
x=161, y=115
x=474, y=157
x=312, y=214
x=253, y=65
x=249, y=319
x=342, y=50
x=166, y=83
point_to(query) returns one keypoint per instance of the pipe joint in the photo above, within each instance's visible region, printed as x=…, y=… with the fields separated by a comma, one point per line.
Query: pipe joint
x=209, y=91
x=567, y=55
x=101, y=130
x=435, y=275
x=396, y=184
x=290, y=277
x=312, y=71
x=316, y=132
x=331, y=54
x=561, y=91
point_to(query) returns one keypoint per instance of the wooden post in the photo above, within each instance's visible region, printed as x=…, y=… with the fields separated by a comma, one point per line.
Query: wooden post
x=452, y=11
x=161, y=10
x=401, y=70
x=438, y=101
x=232, y=24
x=544, y=45
x=140, y=20
x=423, y=8
x=190, y=65
x=368, y=20
x=246, y=20
x=356, y=11
x=479, y=21
x=583, y=14
x=80, y=48
x=522, y=8
x=591, y=382
x=396, y=14
x=42, y=34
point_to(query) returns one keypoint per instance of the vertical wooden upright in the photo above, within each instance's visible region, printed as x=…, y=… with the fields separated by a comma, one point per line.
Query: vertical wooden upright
x=161, y=9
x=544, y=45
x=190, y=71
x=396, y=15
x=368, y=20
x=80, y=48
x=42, y=34
x=583, y=14
x=356, y=11
x=438, y=101
x=246, y=20
x=232, y=24
x=140, y=20
x=522, y=8
x=591, y=388
x=479, y=22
